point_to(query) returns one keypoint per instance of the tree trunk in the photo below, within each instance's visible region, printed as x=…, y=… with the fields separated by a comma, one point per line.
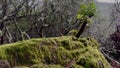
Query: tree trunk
x=81, y=29
x=4, y=12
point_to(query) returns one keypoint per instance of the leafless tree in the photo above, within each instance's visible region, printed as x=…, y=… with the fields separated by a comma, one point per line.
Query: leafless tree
x=11, y=11
x=25, y=19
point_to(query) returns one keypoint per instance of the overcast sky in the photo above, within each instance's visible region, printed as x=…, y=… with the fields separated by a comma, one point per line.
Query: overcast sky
x=108, y=1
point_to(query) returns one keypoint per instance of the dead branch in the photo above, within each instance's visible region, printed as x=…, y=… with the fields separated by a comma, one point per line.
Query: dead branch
x=112, y=61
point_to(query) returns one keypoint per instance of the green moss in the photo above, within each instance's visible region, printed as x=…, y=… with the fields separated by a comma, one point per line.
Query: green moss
x=73, y=32
x=40, y=65
x=54, y=52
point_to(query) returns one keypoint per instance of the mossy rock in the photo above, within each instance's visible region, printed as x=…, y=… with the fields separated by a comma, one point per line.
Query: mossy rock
x=56, y=52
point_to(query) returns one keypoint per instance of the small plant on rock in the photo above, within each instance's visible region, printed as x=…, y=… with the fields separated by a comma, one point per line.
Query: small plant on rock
x=84, y=15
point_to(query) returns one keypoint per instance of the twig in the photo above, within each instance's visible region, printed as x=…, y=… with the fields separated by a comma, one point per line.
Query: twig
x=109, y=58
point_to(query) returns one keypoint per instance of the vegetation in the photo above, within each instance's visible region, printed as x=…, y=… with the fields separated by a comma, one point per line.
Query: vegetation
x=84, y=15
x=55, y=34
x=54, y=52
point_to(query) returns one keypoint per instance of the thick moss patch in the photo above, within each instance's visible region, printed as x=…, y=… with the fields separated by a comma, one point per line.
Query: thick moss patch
x=58, y=52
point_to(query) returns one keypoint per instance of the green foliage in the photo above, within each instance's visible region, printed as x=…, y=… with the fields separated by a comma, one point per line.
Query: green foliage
x=86, y=12
x=73, y=32
x=84, y=15
x=54, y=53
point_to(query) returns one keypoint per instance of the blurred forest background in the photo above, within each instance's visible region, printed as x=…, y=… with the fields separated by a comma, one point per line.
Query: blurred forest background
x=25, y=19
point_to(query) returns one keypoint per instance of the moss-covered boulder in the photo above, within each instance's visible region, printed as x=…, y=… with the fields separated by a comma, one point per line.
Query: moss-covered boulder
x=57, y=52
